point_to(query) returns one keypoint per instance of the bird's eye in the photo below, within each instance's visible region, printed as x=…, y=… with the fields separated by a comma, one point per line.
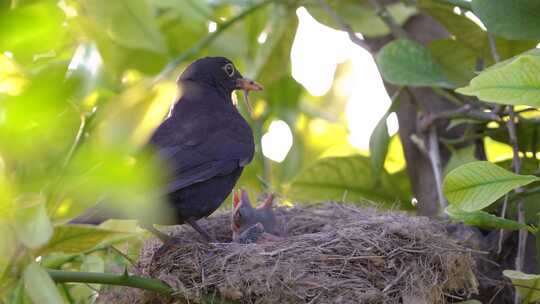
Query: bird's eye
x=229, y=69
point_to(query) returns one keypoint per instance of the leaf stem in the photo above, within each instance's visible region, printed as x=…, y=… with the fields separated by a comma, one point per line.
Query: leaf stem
x=201, y=44
x=124, y=279
x=459, y=3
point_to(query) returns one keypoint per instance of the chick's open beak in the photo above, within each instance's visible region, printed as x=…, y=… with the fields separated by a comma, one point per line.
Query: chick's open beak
x=247, y=85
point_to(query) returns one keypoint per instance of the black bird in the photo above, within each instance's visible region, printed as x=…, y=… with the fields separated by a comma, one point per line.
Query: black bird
x=205, y=142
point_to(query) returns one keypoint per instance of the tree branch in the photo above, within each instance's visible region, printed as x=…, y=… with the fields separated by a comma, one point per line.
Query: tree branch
x=343, y=25
x=201, y=44
x=466, y=111
x=387, y=18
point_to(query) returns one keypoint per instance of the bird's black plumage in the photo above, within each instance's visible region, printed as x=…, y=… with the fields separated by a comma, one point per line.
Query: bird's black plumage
x=205, y=142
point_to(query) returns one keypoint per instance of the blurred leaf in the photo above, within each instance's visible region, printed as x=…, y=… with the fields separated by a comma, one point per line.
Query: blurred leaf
x=38, y=126
x=119, y=181
x=345, y=179
x=460, y=157
x=516, y=83
x=31, y=29
x=8, y=244
x=117, y=225
x=32, y=225
x=129, y=23
x=378, y=145
x=458, y=62
x=39, y=285
x=272, y=61
x=476, y=185
x=405, y=62
x=464, y=29
x=482, y=219
x=528, y=285
x=12, y=79
x=77, y=238
x=361, y=16
x=82, y=293
x=131, y=117
x=283, y=95
x=516, y=19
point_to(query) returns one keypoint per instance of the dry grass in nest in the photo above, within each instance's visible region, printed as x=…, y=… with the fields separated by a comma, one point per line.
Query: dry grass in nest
x=334, y=253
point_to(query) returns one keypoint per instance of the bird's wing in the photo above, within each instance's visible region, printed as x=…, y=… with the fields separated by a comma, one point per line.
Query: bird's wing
x=203, y=148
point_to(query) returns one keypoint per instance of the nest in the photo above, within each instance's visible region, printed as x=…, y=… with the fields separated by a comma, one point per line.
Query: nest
x=334, y=253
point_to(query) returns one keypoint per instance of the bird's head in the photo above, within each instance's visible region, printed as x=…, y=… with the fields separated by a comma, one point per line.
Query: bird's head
x=220, y=73
x=243, y=214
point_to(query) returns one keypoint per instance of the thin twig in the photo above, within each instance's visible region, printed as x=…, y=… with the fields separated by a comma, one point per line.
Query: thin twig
x=502, y=232
x=387, y=18
x=516, y=163
x=343, y=25
x=466, y=111
x=435, y=159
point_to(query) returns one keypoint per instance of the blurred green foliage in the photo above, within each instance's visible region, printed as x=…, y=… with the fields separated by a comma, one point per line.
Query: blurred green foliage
x=84, y=83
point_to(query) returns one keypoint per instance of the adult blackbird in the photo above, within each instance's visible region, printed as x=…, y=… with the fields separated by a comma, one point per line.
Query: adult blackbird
x=205, y=142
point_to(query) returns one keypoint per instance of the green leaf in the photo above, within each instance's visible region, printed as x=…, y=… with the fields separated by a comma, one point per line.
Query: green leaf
x=82, y=292
x=31, y=29
x=346, y=179
x=477, y=185
x=517, y=19
x=405, y=62
x=77, y=238
x=129, y=23
x=39, y=285
x=515, y=83
x=460, y=157
x=524, y=280
x=458, y=62
x=378, y=145
x=32, y=224
x=482, y=219
x=361, y=16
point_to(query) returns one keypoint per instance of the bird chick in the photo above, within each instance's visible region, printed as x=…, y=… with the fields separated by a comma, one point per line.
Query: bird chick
x=251, y=225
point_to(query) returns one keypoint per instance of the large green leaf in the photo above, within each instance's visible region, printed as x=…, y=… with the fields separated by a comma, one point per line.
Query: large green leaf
x=77, y=238
x=405, y=62
x=460, y=157
x=378, y=145
x=516, y=19
x=477, y=185
x=32, y=224
x=129, y=23
x=360, y=15
x=458, y=62
x=39, y=285
x=346, y=179
x=516, y=83
x=527, y=285
x=482, y=219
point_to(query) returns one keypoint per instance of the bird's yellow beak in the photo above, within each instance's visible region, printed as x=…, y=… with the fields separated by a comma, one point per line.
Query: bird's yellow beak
x=246, y=85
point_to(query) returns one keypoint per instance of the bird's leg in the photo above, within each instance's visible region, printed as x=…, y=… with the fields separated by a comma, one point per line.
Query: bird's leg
x=201, y=231
x=160, y=235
